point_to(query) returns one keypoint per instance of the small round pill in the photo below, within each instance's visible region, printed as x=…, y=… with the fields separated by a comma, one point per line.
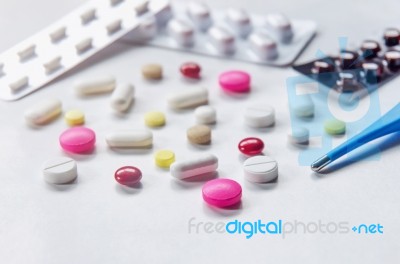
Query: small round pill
x=60, y=170
x=190, y=70
x=391, y=37
x=251, y=146
x=335, y=127
x=164, y=158
x=260, y=169
x=392, y=58
x=259, y=116
x=222, y=192
x=78, y=140
x=299, y=135
x=235, y=81
x=348, y=59
x=74, y=117
x=199, y=134
x=373, y=71
x=370, y=49
x=128, y=175
x=205, y=114
x=154, y=119
x=303, y=106
x=152, y=71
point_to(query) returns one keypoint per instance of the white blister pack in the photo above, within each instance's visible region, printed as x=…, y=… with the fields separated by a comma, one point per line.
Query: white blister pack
x=270, y=39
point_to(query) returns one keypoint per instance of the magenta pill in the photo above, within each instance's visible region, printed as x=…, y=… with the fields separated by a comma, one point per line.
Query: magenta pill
x=222, y=192
x=78, y=139
x=235, y=81
x=128, y=175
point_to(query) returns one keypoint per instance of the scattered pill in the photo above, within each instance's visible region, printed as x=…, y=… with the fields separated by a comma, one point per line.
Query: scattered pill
x=60, y=170
x=348, y=59
x=88, y=16
x=154, y=119
x=164, y=158
x=132, y=138
x=19, y=84
x=239, y=20
x=199, y=13
x=52, y=64
x=260, y=169
x=202, y=165
x=373, y=71
x=251, y=146
x=78, y=140
x=74, y=117
x=43, y=112
x=58, y=34
x=391, y=37
x=302, y=106
x=222, y=39
x=122, y=97
x=392, y=58
x=181, y=31
x=27, y=52
x=263, y=46
x=190, y=70
x=281, y=26
x=205, y=115
x=199, y=134
x=83, y=45
x=152, y=71
x=322, y=67
x=222, y=192
x=347, y=82
x=141, y=7
x=335, y=127
x=299, y=135
x=188, y=98
x=370, y=49
x=128, y=175
x=102, y=84
x=259, y=116
x=114, y=26
x=235, y=81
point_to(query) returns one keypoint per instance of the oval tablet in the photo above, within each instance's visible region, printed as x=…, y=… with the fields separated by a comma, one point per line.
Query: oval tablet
x=133, y=138
x=222, y=192
x=78, y=139
x=251, y=146
x=235, y=81
x=60, y=170
x=259, y=116
x=188, y=98
x=154, y=119
x=205, y=114
x=194, y=167
x=128, y=175
x=260, y=169
x=190, y=70
x=152, y=71
x=43, y=112
x=335, y=127
x=199, y=134
x=102, y=84
x=122, y=97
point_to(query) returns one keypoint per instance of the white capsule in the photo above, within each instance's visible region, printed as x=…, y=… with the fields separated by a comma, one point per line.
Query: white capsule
x=60, y=170
x=299, y=135
x=43, y=112
x=199, y=13
x=19, y=84
x=205, y=115
x=258, y=116
x=84, y=45
x=188, y=98
x=222, y=39
x=122, y=97
x=134, y=138
x=263, y=45
x=181, y=31
x=103, y=84
x=260, y=169
x=52, y=64
x=142, y=7
x=58, y=34
x=202, y=165
x=302, y=106
x=27, y=52
x=88, y=16
x=280, y=26
x=239, y=21
x=114, y=26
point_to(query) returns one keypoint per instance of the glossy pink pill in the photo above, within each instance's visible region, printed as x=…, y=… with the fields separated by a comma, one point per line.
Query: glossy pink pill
x=222, y=192
x=235, y=81
x=128, y=175
x=78, y=139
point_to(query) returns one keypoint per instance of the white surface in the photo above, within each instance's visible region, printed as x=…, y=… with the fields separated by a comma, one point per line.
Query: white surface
x=97, y=221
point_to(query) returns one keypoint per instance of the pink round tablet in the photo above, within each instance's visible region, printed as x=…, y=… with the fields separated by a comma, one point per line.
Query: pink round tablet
x=78, y=139
x=222, y=192
x=235, y=81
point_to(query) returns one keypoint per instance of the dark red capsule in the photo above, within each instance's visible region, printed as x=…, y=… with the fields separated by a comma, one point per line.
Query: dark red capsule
x=190, y=70
x=128, y=175
x=251, y=146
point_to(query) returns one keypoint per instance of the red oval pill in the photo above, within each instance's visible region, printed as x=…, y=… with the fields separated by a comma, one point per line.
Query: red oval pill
x=251, y=146
x=190, y=70
x=128, y=175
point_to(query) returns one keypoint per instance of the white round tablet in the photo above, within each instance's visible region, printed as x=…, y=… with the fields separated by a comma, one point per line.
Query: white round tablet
x=260, y=169
x=259, y=116
x=60, y=170
x=205, y=115
x=303, y=106
x=299, y=135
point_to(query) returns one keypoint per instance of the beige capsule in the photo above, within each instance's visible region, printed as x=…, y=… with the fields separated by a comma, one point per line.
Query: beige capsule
x=199, y=134
x=152, y=71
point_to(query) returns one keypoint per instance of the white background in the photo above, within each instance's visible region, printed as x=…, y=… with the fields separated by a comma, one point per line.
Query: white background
x=96, y=221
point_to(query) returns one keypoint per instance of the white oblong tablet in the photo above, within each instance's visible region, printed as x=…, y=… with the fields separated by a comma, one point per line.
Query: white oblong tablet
x=19, y=84
x=205, y=115
x=194, y=167
x=132, y=138
x=260, y=169
x=104, y=84
x=114, y=26
x=122, y=97
x=52, y=64
x=181, y=31
x=263, y=45
x=60, y=170
x=58, y=34
x=84, y=45
x=188, y=98
x=259, y=116
x=239, y=21
x=222, y=39
x=302, y=106
x=27, y=52
x=299, y=135
x=43, y=112
x=199, y=13
x=280, y=25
